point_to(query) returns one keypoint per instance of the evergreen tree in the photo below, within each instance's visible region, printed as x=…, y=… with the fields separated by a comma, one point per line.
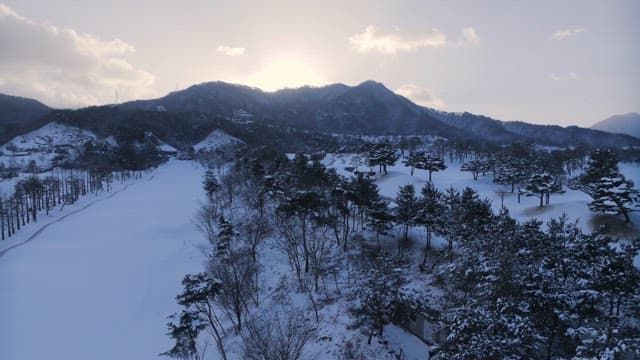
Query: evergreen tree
x=416, y=159
x=210, y=184
x=615, y=195
x=406, y=208
x=475, y=167
x=542, y=186
x=429, y=215
x=380, y=217
x=225, y=238
x=198, y=313
x=382, y=155
x=611, y=192
x=432, y=163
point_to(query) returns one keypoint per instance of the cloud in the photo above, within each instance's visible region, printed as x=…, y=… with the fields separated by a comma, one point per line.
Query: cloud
x=65, y=68
x=372, y=39
x=470, y=35
x=421, y=96
x=230, y=51
x=567, y=33
x=568, y=76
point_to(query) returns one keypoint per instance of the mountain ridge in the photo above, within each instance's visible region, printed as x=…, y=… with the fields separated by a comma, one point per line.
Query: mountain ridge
x=369, y=108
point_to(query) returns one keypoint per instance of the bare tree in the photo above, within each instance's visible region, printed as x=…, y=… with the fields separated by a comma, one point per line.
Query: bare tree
x=252, y=232
x=277, y=337
x=289, y=241
x=236, y=275
x=206, y=220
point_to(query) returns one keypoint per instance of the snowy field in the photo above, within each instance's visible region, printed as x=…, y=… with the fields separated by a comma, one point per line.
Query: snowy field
x=99, y=284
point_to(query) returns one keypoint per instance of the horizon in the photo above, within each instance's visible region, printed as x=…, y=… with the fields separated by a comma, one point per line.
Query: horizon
x=577, y=67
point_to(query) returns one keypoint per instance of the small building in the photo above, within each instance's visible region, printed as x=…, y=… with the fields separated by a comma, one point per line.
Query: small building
x=420, y=325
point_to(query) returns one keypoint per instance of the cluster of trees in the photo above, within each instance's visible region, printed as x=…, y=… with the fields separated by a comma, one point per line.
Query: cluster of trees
x=128, y=155
x=424, y=161
x=37, y=193
x=509, y=290
x=542, y=173
x=522, y=291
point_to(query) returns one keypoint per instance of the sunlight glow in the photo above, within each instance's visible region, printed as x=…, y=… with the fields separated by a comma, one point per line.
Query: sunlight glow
x=286, y=73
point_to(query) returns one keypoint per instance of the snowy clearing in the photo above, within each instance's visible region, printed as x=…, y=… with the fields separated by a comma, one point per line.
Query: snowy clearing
x=100, y=284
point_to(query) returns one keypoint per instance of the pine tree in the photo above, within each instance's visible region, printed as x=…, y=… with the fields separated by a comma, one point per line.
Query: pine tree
x=475, y=167
x=511, y=171
x=415, y=160
x=210, y=184
x=615, y=195
x=611, y=192
x=542, y=186
x=382, y=155
x=432, y=163
x=225, y=238
x=406, y=208
x=198, y=313
x=430, y=210
x=380, y=217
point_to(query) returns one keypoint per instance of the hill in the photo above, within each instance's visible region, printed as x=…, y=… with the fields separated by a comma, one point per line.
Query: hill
x=19, y=115
x=621, y=124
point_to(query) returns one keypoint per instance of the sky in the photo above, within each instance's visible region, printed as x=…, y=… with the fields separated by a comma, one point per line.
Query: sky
x=549, y=62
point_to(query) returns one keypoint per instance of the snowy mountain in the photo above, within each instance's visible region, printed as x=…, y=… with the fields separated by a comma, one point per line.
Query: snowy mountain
x=621, y=124
x=52, y=143
x=368, y=108
x=183, y=118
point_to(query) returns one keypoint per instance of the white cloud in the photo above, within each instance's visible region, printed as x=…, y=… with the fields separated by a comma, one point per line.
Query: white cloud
x=421, y=96
x=375, y=40
x=567, y=33
x=470, y=35
x=372, y=39
x=230, y=51
x=65, y=68
x=568, y=76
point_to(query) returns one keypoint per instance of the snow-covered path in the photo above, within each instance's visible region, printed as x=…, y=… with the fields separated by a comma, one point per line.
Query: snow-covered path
x=100, y=283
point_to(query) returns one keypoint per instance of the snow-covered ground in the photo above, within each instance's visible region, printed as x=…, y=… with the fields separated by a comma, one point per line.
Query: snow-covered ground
x=216, y=139
x=44, y=144
x=100, y=283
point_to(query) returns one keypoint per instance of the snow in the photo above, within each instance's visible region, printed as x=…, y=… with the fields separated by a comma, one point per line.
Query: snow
x=87, y=289
x=216, y=139
x=40, y=145
x=405, y=343
x=166, y=148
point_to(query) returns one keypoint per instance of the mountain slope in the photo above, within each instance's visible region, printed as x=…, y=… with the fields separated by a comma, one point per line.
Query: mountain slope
x=185, y=117
x=19, y=115
x=368, y=108
x=621, y=124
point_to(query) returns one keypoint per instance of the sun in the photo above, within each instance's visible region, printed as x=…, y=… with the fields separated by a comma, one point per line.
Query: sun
x=285, y=73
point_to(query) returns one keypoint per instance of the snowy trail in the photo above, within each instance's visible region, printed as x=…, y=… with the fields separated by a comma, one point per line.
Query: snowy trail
x=99, y=284
x=45, y=226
